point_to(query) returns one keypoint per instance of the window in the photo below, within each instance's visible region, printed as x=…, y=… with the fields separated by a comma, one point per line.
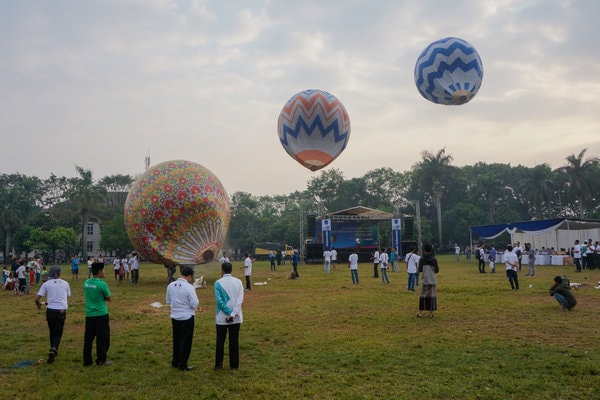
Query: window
x=90, y=246
x=90, y=229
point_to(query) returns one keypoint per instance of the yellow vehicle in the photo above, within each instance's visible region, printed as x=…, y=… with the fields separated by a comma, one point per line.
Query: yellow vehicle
x=262, y=250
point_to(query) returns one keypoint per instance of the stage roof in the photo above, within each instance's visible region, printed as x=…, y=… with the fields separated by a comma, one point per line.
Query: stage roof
x=359, y=212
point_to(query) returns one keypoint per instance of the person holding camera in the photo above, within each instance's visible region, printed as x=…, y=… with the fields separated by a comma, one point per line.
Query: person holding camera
x=561, y=290
x=229, y=296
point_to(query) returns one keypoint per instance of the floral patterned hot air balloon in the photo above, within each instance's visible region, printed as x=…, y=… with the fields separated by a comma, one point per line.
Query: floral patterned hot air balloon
x=314, y=128
x=449, y=71
x=177, y=212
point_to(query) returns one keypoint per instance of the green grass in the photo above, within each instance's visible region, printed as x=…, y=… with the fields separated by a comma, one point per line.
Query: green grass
x=320, y=337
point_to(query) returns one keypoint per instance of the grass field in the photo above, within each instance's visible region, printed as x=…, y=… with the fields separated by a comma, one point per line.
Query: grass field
x=320, y=337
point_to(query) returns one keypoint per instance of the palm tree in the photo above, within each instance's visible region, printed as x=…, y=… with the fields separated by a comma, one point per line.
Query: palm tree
x=580, y=178
x=88, y=199
x=432, y=174
x=538, y=188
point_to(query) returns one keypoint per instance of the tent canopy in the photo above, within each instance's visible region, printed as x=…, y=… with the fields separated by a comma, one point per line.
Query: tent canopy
x=554, y=233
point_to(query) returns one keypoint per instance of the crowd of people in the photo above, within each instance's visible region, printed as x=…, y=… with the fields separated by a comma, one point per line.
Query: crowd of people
x=229, y=294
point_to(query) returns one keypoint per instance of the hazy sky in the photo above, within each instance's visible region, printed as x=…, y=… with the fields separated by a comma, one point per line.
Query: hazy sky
x=103, y=83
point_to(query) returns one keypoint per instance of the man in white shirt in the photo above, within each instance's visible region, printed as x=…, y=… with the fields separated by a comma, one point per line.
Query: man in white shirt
x=248, y=270
x=577, y=256
x=512, y=266
x=376, y=264
x=182, y=297
x=353, y=265
x=224, y=258
x=383, y=265
x=56, y=291
x=327, y=261
x=134, y=265
x=21, y=271
x=412, y=264
x=590, y=250
x=333, y=257
x=229, y=296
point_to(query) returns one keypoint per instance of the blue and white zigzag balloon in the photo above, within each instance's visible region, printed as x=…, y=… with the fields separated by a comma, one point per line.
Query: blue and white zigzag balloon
x=449, y=71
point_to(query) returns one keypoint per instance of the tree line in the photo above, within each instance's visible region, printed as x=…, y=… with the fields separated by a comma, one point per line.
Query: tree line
x=51, y=215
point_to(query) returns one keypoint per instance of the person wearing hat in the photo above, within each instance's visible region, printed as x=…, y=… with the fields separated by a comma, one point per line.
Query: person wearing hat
x=97, y=325
x=56, y=291
x=182, y=298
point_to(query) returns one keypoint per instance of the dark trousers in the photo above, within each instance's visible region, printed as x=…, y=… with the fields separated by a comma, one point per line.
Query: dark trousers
x=96, y=328
x=135, y=274
x=578, y=264
x=248, y=287
x=376, y=270
x=513, y=278
x=481, y=265
x=56, y=322
x=234, y=345
x=295, y=266
x=183, y=334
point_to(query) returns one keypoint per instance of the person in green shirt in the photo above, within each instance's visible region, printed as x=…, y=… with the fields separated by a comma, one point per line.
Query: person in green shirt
x=96, y=294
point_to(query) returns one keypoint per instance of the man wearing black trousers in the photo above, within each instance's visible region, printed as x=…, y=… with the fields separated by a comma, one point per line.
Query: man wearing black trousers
x=97, y=326
x=229, y=295
x=181, y=295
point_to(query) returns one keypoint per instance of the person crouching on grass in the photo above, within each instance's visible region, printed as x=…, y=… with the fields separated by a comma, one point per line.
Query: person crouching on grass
x=561, y=290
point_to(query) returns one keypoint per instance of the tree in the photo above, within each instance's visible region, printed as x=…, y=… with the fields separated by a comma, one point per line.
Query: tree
x=432, y=175
x=86, y=200
x=580, y=178
x=61, y=238
x=20, y=198
x=114, y=236
x=538, y=189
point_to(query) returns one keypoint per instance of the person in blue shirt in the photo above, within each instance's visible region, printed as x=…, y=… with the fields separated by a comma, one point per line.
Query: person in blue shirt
x=272, y=260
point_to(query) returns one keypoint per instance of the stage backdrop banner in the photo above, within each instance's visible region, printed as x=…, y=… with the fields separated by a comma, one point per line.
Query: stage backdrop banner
x=326, y=230
x=397, y=236
x=348, y=234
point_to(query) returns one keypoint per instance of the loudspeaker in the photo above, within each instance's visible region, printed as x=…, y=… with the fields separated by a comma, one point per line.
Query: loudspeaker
x=408, y=228
x=314, y=252
x=311, y=224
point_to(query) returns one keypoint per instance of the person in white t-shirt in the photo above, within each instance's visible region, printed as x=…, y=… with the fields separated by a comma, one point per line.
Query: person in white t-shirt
x=412, y=264
x=376, y=264
x=512, y=266
x=577, y=256
x=248, y=270
x=383, y=266
x=353, y=265
x=56, y=291
x=334, y=257
x=327, y=261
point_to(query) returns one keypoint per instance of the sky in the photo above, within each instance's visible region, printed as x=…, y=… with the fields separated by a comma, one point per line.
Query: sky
x=102, y=84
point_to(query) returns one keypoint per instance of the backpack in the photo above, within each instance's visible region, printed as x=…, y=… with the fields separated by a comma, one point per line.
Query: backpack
x=477, y=254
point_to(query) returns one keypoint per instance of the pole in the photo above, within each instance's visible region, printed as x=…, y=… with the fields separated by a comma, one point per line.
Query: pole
x=419, y=233
x=301, y=244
